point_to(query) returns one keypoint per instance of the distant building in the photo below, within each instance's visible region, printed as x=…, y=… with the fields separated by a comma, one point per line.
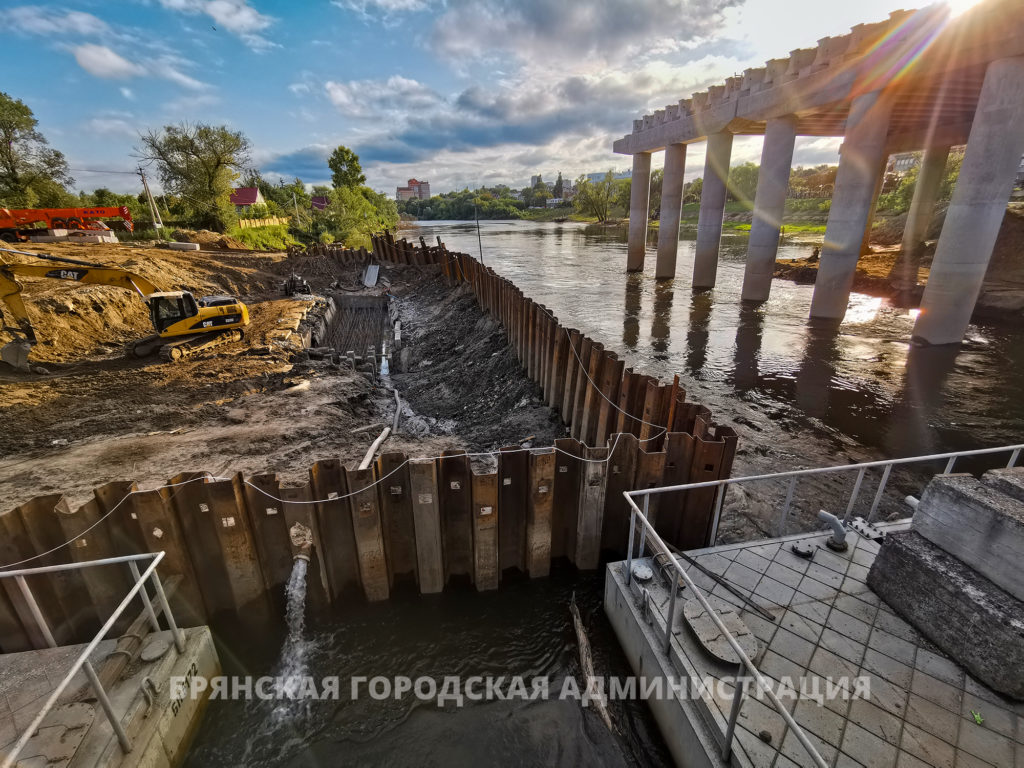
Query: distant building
x=535, y=180
x=567, y=190
x=554, y=202
x=245, y=198
x=414, y=189
x=319, y=203
x=516, y=194
x=593, y=178
x=902, y=162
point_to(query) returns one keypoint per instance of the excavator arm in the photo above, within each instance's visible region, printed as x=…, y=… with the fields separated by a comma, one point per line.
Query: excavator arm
x=61, y=269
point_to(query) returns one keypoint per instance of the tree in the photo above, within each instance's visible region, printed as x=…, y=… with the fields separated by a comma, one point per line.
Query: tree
x=592, y=198
x=743, y=181
x=558, y=185
x=31, y=172
x=345, y=168
x=201, y=164
x=691, y=191
x=355, y=213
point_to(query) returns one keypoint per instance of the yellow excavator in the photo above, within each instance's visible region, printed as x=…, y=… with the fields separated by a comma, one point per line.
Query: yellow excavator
x=183, y=324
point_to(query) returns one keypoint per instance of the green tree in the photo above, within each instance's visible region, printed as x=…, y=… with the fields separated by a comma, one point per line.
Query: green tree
x=593, y=198
x=657, y=180
x=31, y=172
x=742, y=182
x=558, y=185
x=201, y=164
x=355, y=213
x=345, y=168
x=691, y=191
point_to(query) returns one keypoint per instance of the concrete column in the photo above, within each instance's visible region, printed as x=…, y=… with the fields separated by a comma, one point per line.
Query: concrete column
x=859, y=165
x=671, y=208
x=712, y=209
x=639, y=198
x=769, y=203
x=922, y=207
x=865, y=243
x=976, y=211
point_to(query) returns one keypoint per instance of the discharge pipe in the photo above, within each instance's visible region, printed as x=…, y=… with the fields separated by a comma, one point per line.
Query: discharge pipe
x=302, y=541
x=837, y=540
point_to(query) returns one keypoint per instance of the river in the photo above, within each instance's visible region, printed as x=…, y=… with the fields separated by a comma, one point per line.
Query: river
x=798, y=396
x=806, y=395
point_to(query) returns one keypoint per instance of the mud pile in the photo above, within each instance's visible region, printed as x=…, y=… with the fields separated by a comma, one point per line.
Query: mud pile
x=209, y=241
x=457, y=371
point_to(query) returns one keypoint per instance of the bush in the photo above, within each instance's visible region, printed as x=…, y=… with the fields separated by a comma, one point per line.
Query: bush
x=326, y=238
x=275, y=238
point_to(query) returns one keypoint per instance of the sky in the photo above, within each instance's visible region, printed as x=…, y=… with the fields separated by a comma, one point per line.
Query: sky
x=458, y=92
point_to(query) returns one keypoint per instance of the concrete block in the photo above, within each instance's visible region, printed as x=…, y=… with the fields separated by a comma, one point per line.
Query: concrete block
x=1009, y=481
x=973, y=621
x=183, y=246
x=977, y=524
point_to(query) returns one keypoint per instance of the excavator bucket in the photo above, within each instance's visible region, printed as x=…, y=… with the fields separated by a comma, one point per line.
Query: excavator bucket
x=15, y=354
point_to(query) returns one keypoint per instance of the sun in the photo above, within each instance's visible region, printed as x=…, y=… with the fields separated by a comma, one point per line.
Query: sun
x=959, y=6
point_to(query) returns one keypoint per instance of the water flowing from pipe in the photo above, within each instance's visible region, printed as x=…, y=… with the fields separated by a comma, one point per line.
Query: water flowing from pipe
x=292, y=665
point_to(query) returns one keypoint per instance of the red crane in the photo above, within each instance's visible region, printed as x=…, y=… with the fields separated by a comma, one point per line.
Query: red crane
x=16, y=223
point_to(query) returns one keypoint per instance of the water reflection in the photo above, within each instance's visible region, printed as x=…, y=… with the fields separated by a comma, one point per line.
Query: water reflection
x=697, y=336
x=817, y=369
x=749, y=332
x=764, y=364
x=631, y=313
x=661, y=318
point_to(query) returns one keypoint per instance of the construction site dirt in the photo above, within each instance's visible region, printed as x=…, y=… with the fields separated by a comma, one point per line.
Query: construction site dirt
x=260, y=405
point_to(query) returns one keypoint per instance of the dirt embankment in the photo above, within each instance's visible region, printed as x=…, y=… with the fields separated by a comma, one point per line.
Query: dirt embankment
x=1002, y=295
x=100, y=416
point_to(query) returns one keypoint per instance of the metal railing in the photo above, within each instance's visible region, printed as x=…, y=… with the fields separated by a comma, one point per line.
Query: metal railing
x=794, y=476
x=82, y=662
x=648, y=535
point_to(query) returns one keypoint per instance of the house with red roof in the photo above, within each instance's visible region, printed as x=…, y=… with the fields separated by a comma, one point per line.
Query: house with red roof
x=243, y=198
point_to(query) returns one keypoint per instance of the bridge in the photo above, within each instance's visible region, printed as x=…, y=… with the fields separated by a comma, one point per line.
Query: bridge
x=919, y=80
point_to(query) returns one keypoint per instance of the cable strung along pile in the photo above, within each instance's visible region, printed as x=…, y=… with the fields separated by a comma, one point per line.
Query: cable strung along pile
x=428, y=520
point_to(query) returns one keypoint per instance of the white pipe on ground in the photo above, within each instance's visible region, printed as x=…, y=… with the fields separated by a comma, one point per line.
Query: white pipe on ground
x=365, y=464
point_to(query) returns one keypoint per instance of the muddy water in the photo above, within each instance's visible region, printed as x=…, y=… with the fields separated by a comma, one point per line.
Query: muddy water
x=524, y=629
x=796, y=393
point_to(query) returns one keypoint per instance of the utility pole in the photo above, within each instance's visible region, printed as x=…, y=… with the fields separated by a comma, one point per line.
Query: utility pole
x=154, y=212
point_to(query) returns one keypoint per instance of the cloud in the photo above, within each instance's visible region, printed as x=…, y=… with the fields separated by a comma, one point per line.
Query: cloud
x=186, y=104
x=235, y=16
x=384, y=9
x=112, y=126
x=128, y=94
x=299, y=88
x=47, y=22
x=100, y=61
x=578, y=31
x=382, y=99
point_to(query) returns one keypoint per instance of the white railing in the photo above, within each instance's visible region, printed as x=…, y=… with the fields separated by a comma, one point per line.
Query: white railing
x=82, y=662
x=648, y=536
x=794, y=475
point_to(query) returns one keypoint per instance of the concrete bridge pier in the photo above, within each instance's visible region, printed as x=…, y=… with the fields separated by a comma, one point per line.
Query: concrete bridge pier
x=769, y=205
x=639, y=199
x=859, y=166
x=919, y=217
x=712, y=210
x=671, y=209
x=976, y=211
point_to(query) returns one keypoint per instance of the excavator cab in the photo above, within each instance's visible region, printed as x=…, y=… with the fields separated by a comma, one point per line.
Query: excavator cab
x=170, y=307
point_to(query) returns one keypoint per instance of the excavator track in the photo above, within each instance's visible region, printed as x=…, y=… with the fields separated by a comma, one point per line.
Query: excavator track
x=189, y=345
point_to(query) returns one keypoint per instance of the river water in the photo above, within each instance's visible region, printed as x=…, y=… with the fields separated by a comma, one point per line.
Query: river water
x=798, y=396
x=801, y=394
